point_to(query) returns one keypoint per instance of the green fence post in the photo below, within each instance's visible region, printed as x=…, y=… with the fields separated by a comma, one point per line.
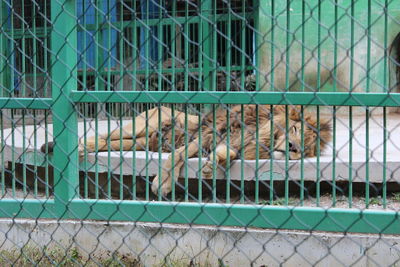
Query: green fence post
x=64, y=78
x=205, y=15
x=5, y=73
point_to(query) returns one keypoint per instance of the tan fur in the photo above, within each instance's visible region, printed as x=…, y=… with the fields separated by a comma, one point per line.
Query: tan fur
x=249, y=125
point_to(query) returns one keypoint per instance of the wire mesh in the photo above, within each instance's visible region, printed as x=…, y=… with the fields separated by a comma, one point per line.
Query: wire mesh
x=271, y=114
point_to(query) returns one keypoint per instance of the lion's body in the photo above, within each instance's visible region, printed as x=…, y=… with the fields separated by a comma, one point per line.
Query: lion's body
x=253, y=130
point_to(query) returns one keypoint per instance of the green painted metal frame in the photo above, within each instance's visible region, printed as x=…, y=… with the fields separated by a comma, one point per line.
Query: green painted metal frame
x=66, y=203
x=269, y=98
x=65, y=124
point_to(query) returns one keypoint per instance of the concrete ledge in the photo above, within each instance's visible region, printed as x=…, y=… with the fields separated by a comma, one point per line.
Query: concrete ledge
x=341, y=160
x=152, y=242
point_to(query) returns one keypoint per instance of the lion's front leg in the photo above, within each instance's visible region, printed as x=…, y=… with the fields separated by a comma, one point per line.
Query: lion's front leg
x=169, y=171
x=220, y=157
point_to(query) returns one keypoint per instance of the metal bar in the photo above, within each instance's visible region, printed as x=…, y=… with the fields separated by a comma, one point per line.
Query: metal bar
x=3, y=145
x=28, y=208
x=214, y=97
x=25, y=103
x=256, y=175
x=299, y=218
x=66, y=178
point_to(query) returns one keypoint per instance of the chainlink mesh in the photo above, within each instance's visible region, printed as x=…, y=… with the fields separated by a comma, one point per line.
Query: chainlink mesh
x=199, y=133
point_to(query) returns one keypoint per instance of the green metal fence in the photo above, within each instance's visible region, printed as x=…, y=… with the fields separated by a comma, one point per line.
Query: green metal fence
x=75, y=69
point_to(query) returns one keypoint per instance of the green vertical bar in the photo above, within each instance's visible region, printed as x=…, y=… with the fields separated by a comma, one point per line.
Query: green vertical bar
x=228, y=83
x=242, y=88
x=334, y=158
x=367, y=109
x=85, y=106
x=243, y=52
x=46, y=141
x=173, y=150
x=35, y=64
x=4, y=84
x=286, y=156
x=200, y=156
x=350, y=157
x=11, y=91
x=199, y=107
x=258, y=9
x=3, y=189
x=4, y=71
x=228, y=161
x=302, y=156
x=109, y=174
x=121, y=155
x=159, y=87
x=134, y=81
x=64, y=46
x=271, y=156
x=159, y=45
x=287, y=85
x=97, y=76
x=186, y=154
x=133, y=154
x=134, y=50
x=318, y=187
x=23, y=154
x=13, y=126
x=173, y=48
x=159, y=152
x=146, y=49
x=257, y=181
x=242, y=156
x=207, y=47
x=109, y=106
x=385, y=89
x=147, y=191
x=272, y=84
x=367, y=157
x=23, y=54
x=350, y=108
x=214, y=48
x=384, y=189
x=303, y=32
x=214, y=145
x=335, y=56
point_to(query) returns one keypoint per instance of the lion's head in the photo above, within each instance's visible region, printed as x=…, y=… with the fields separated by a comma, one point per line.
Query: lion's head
x=294, y=133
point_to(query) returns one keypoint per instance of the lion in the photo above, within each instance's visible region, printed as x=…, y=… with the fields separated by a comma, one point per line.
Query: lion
x=214, y=124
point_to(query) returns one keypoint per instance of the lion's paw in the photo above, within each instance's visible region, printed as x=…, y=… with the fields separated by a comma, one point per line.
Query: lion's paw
x=278, y=155
x=207, y=170
x=165, y=187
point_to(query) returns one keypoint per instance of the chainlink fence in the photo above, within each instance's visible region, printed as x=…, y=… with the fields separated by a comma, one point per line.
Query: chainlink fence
x=198, y=117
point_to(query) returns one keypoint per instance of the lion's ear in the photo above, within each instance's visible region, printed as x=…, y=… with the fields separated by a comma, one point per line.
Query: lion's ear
x=325, y=128
x=295, y=112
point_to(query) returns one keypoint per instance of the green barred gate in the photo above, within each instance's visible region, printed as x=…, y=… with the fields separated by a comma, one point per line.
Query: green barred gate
x=71, y=69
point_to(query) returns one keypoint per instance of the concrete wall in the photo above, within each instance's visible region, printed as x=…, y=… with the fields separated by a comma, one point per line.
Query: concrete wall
x=152, y=242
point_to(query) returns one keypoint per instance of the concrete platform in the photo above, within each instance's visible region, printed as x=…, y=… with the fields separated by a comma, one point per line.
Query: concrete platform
x=341, y=161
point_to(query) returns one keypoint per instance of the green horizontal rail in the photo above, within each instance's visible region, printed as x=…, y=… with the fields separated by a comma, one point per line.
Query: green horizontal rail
x=25, y=103
x=270, y=98
x=300, y=218
x=27, y=208
x=157, y=21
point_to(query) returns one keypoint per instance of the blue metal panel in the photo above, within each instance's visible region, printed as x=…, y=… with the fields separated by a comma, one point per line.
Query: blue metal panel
x=86, y=15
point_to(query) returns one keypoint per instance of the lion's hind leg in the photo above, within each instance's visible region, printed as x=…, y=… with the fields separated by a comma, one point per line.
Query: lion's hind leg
x=123, y=139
